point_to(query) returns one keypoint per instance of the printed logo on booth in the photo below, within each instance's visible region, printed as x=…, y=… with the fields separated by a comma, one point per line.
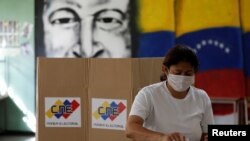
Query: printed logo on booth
x=109, y=110
x=62, y=109
x=62, y=112
x=109, y=113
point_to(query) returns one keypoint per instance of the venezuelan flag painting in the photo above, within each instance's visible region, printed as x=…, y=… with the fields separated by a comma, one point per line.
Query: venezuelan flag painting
x=246, y=42
x=245, y=21
x=215, y=35
x=212, y=29
x=156, y=27
x=245, y=24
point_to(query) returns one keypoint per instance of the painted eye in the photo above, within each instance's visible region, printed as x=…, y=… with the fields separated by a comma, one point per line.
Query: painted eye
x=63, y=21
x=64, y=17
x=109, y=20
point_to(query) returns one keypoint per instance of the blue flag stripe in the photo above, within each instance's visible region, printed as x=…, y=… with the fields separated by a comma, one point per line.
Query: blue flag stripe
x=246, y=49
x=155, y=44
x=217, y=48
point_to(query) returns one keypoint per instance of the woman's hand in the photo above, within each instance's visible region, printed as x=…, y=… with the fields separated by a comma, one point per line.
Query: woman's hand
x=174, y=137
x=204, y=137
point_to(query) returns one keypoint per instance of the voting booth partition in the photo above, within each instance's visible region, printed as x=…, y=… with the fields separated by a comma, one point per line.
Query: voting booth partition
x=89, y=99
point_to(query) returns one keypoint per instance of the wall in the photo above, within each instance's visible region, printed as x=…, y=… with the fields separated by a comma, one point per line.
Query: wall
x=20, y=66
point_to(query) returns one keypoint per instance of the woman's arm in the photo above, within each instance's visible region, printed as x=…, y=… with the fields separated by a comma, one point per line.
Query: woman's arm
x=208, y=117
x=137, y=132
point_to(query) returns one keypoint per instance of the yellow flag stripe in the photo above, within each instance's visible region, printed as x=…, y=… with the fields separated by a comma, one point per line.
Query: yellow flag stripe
x=156, y=15
x=245, y=10
x=193, y=15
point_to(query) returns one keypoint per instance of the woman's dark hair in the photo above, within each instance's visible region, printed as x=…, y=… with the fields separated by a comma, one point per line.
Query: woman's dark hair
x=181, y=53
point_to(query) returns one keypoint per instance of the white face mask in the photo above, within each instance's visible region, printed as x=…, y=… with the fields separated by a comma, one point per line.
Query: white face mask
x=180, y=83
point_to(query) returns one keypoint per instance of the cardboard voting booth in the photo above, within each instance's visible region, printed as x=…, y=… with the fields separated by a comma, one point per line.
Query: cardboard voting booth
x=89, y=99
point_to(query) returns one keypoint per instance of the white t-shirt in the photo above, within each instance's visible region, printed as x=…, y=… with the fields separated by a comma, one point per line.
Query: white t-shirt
x=164, y=113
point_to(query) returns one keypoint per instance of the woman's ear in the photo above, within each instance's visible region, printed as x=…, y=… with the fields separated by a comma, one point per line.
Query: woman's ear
x=163, y=76
x=163, y=69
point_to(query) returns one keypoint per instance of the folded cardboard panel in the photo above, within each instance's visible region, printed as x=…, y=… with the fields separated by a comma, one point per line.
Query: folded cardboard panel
x=110, y=97
x=108, y=114
x=61, y=85
x=89, y=99
x=110, y=73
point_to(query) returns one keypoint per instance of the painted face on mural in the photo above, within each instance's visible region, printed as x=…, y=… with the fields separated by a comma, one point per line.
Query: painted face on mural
x=86, y=28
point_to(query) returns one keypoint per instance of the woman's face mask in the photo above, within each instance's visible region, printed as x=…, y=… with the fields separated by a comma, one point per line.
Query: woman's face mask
x=180, y=76
x=180, y=83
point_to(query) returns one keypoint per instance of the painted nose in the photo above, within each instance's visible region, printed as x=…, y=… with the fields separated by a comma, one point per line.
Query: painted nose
x=86, y=39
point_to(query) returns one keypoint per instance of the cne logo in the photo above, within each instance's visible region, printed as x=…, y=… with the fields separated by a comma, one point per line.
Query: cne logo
x=109, y=110
x=62, y=109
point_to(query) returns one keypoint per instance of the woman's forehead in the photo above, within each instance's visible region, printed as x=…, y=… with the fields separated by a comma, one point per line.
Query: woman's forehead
x=182, y=65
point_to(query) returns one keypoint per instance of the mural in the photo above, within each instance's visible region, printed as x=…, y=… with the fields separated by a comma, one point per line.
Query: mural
x=104, y=28
x=86, y=28
x=146, y=28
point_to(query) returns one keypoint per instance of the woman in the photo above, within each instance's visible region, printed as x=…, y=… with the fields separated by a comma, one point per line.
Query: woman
x=172, y=110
